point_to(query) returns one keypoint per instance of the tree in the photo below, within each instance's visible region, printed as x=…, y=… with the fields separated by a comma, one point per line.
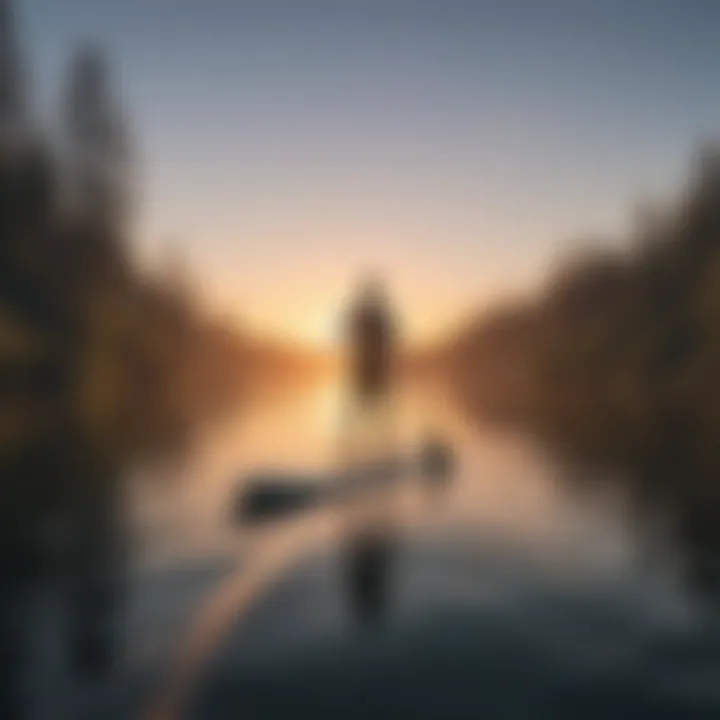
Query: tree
x=97, y=140
x=12, y=92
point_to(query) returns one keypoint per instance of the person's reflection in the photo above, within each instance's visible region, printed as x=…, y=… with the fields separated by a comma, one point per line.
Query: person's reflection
x=436, y=466
x=368, y=573
x=368, y=436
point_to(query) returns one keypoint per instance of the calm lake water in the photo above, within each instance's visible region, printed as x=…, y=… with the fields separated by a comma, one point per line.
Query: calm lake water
x=515, y=594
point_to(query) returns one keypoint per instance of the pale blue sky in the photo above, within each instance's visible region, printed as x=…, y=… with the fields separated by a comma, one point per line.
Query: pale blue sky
x=456, y=145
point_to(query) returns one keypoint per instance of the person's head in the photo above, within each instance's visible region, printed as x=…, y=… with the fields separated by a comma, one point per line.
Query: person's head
x=371, y=295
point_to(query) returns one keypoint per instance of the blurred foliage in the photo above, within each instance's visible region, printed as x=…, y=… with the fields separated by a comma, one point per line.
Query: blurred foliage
x=616, y=361
x=620, y=346
x=87, y=337
x=103, y=363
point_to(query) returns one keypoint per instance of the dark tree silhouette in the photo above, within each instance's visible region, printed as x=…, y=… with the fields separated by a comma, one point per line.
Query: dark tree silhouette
x=98, y=140
x=12, y=91
x=615, y=362
x=103, y=364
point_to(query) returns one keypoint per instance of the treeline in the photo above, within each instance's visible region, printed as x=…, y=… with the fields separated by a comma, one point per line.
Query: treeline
x=103, y=363
x=614, y=364
x=616, y=360
x=85, y=333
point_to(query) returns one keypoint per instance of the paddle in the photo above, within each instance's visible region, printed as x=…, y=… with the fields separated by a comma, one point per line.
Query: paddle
x=269, y=495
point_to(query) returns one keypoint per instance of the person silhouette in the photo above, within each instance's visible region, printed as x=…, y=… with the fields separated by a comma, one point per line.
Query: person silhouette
x=370, y=338
x=369, y=436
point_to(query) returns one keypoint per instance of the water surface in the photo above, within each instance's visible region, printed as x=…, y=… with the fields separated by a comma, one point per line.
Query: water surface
x=516, y=590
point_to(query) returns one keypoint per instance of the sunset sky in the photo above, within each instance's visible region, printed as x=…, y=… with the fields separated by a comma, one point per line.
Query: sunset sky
x=456, y=146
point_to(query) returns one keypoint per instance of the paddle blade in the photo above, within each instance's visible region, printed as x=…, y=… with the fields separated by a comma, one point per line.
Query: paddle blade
x=263, y=499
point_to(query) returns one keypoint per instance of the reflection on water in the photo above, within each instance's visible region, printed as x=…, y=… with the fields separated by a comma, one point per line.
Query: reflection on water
x=188, y=512
x=511, y=553
x=505, y=487
x=515, y=573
